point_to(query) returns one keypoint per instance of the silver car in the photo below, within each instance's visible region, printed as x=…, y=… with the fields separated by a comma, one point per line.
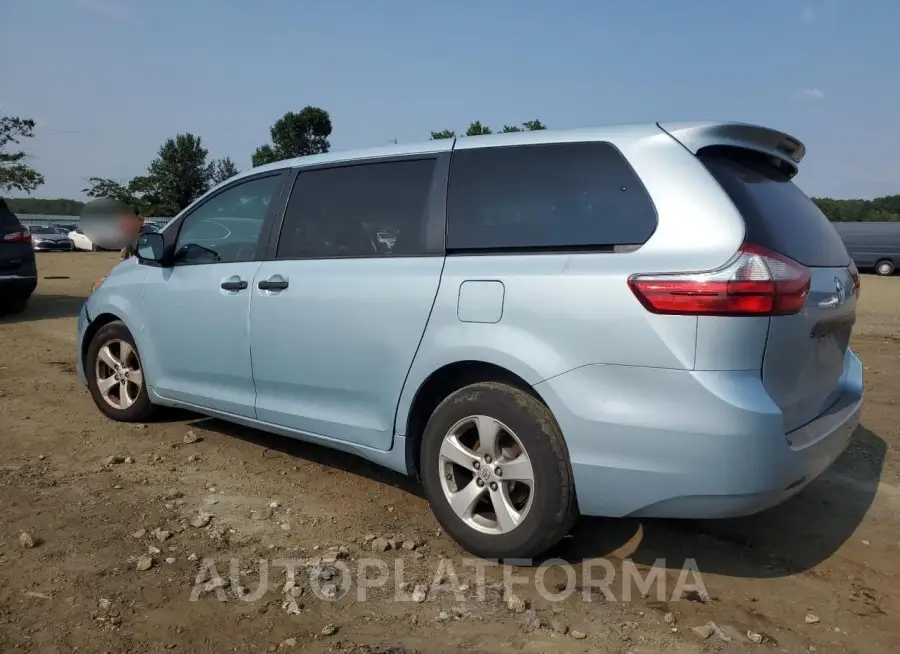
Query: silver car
x=649, y=320
x=45, y=238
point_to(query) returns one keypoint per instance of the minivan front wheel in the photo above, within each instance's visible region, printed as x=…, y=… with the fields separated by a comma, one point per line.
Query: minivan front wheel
x=115, y=375
x=496, y=471
x=884, y=268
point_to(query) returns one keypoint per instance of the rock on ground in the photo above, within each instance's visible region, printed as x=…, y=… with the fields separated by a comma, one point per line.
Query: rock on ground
x=191, y=437
x=201, y=520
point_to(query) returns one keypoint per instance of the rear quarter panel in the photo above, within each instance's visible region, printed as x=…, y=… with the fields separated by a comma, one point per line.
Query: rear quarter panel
x=562, y=311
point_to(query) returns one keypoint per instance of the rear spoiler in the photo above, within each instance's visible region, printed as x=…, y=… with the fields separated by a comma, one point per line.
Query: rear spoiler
x=696, y=136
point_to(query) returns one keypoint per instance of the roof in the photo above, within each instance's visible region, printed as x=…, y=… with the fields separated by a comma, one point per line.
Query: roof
x=694, y=135
x=445, y=145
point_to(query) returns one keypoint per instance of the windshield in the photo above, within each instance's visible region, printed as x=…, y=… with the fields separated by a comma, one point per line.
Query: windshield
x=41, y=229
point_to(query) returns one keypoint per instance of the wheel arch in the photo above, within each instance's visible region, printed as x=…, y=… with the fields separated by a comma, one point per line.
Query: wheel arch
x=95, y=326
x=105, y=312
x=439, y=384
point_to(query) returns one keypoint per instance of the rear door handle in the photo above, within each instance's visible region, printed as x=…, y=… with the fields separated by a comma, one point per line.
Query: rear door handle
x=273, y=284
x=234, y=285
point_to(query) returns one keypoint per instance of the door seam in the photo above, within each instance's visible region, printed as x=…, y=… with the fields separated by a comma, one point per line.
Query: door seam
x=437, y=292
x=250, y=287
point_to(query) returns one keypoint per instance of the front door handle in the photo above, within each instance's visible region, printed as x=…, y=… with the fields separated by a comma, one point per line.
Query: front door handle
x=234, y=285
x=273, y=284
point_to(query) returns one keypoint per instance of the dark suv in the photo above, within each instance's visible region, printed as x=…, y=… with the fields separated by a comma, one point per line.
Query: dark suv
x=18, y=271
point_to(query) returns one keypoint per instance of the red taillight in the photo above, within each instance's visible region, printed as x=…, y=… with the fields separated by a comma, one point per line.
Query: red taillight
x=757, y=282
x=22, y=236
x=854, y=276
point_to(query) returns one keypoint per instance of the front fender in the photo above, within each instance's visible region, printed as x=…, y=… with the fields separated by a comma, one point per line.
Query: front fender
x=121, y=296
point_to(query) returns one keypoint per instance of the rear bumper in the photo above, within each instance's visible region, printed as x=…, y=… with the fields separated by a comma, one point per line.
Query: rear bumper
x=691, y=444
x=17, y=285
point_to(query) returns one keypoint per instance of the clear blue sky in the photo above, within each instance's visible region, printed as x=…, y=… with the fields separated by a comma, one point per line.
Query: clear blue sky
x=109, y=80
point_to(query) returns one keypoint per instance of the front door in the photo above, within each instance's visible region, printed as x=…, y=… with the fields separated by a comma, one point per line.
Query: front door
x=197, y=346
x=337, y=317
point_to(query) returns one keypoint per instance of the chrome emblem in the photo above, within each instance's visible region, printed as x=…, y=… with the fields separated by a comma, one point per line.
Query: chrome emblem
x=841, y=291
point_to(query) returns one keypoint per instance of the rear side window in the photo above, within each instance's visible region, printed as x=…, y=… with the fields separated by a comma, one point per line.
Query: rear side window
x=778, y=215
x=360, y=210
x=561, y=195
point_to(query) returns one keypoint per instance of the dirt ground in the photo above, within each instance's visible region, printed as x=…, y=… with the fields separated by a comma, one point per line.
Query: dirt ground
x=99, y=500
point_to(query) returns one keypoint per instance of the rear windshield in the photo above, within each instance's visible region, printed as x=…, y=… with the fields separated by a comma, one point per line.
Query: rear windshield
x=778, y=215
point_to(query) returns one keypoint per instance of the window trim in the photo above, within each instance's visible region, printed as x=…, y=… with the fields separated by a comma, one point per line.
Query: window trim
x=435, y=212
x=170, y=234
x=602, y=248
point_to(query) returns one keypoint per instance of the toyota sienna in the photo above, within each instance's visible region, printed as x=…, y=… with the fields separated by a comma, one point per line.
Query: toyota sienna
x=648, y=320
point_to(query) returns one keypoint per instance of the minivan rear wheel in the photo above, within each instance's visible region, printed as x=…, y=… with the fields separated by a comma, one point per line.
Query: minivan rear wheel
x=115, y=375
x=884, y=268
x=496, y=471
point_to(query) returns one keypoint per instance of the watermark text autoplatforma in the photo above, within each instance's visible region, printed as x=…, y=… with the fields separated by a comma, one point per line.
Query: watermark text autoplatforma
x=554, y=580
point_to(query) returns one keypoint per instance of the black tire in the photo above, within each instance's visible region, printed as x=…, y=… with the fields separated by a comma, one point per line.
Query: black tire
x=553, y=510
x=142, y=409
x=14, y=305
x=885, y=268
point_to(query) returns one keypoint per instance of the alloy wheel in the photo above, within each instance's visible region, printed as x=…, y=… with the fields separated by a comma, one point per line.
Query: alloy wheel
x=118, y=374
x=486, y=475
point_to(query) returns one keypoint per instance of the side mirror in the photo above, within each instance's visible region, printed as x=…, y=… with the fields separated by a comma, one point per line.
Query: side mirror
x=151, y=248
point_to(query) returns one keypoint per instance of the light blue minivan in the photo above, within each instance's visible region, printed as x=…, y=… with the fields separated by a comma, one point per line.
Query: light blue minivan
x=644, y=320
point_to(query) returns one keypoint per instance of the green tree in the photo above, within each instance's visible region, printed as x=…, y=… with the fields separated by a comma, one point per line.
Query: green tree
x=477, y=129
x=296, y=135
x=178, y=175
x=138, y=193
x=264, y=154
x=144, y=193
x=527, y=126
x=223, y=169
x=878, y=210
x=102, y=187
x=14, y=174
x=49, y=207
